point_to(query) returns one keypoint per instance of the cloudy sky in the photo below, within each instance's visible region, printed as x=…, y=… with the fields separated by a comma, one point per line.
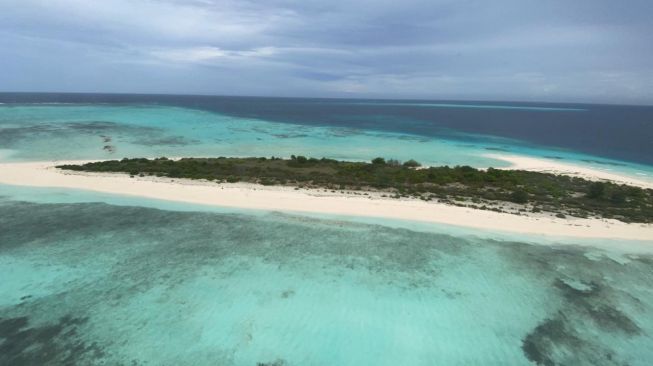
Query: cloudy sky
x=549, y=50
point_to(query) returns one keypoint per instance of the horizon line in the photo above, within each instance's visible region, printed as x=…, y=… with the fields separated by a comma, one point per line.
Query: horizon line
x=329, y=98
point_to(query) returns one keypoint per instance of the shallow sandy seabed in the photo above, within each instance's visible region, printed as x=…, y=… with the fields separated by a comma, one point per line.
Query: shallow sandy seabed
x=101, y=284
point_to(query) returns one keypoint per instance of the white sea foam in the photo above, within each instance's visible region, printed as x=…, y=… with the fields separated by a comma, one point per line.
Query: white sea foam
x=476, y=106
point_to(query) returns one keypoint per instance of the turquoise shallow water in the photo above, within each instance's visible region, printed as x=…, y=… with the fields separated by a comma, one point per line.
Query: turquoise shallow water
x=98, y=283
x=70, y=132
x=94, y=279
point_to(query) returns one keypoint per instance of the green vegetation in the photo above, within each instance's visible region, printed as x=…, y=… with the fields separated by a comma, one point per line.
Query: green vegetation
x=412, y=164
x=491, y=189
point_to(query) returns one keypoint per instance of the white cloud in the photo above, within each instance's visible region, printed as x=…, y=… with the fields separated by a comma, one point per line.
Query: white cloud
x=196, y=54
x=512, y=49
x=210, y=54
x=141, y=20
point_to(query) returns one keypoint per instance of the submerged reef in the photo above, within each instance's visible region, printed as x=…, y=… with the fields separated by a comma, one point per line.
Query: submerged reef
x=98, y=284
x=57, y=343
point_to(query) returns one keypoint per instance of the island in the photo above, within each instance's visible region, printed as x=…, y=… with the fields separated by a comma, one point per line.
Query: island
x=518, y=192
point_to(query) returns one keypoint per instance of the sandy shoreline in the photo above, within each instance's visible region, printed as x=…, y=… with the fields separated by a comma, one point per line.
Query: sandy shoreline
x=549, y=166
x=288, y=199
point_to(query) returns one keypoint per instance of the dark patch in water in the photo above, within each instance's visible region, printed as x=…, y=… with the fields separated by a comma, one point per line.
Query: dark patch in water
x=412, y=138
x=497, y=149
x=647, y=260
x=596, y=303
x=50, y=344
x=589, y=306
x=93, y=127
x=392, y=252
x=165, y=141
x=554, y=157
x=277, y=362
x=289, y=135
x=12, y=135
x=603, y=162
x=573, y=294
x=288, y=293
x=452, y=294
x=538, y=346
x=555, y=342
x=344, y=132
x=142, y=135
x=612, y=319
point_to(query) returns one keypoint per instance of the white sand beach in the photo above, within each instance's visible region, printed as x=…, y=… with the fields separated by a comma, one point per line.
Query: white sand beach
x=288, y=199
x=555, y=167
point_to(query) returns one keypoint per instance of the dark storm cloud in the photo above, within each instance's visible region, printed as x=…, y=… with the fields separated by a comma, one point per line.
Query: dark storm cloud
x=578, y=50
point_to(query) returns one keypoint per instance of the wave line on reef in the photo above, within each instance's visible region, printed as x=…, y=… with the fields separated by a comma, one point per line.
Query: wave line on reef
x=477, y=106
